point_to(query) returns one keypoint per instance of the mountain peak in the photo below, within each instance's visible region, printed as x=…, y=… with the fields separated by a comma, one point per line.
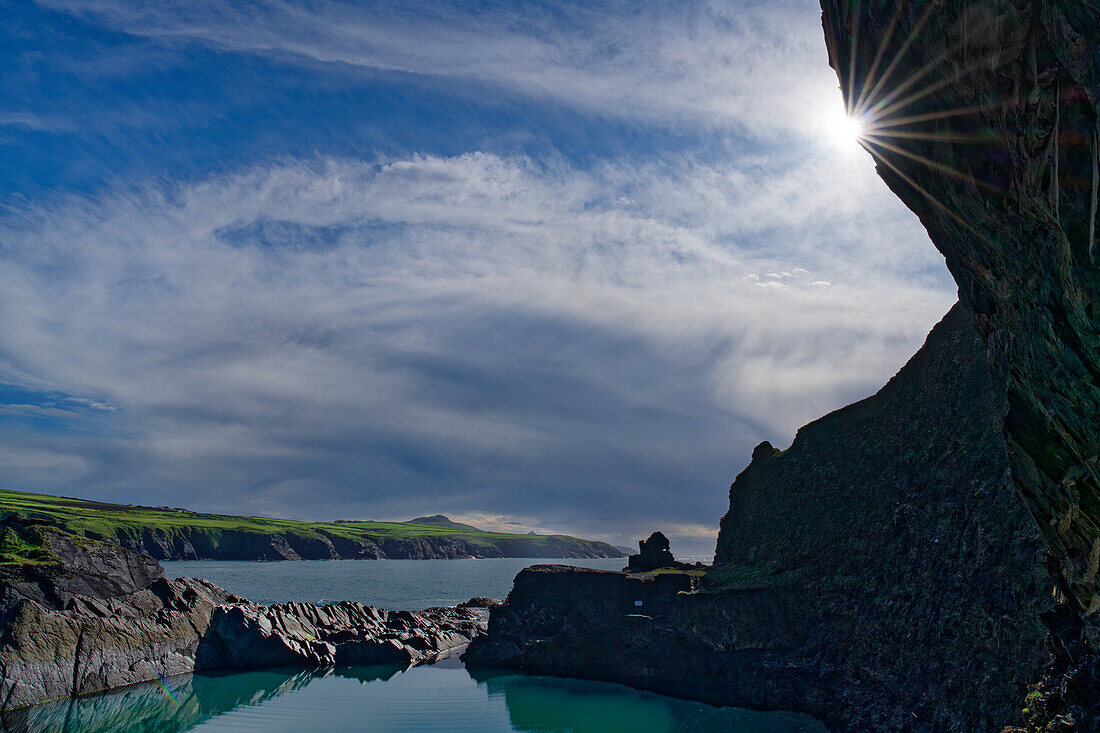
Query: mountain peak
x=440, y=520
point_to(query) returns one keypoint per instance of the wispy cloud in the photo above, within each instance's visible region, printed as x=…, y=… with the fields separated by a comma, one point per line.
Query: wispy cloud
x=757, y=66
x=32, y=122
x=326, y=314
x=449, y=334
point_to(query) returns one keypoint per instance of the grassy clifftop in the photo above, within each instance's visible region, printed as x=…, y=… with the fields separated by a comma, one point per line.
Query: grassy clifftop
x=181, y=534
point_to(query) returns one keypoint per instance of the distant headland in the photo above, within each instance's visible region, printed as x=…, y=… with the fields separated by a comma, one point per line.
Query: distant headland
x=179, y=534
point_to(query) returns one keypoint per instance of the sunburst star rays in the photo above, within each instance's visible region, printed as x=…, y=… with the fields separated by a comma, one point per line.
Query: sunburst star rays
x=885, y=111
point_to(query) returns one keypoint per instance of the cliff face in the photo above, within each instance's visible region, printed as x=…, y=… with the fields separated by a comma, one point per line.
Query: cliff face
x=48, y=566
x=663, y=632
x=200, y=543
x=94, y=644
x=897, y=512
x=982, y=117
x=879, y=574
x=927, y=444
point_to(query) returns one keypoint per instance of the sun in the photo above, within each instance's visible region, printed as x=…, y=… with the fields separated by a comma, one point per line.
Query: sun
x=842, y=129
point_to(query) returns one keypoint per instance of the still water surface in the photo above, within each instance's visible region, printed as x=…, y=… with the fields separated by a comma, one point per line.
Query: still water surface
x=395, y=584
x=442, y=697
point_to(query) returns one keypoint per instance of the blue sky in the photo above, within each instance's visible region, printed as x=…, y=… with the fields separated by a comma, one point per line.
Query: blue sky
x=537, y=265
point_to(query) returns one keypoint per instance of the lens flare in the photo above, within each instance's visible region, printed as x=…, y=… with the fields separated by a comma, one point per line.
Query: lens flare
x=842, y=129
x=163, y=685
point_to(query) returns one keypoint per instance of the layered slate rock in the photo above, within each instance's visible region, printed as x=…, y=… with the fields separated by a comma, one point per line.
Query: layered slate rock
x=80, y=616
x=305, y=635
x=983, y=121
x=878, y=574
x=94, y=644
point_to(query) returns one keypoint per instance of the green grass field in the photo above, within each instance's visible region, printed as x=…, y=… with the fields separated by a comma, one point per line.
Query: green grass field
x=19, y=551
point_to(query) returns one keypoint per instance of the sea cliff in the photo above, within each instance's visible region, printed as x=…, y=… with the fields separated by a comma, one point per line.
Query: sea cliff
x=179, y=534
x=879, y=574
x=984, y=119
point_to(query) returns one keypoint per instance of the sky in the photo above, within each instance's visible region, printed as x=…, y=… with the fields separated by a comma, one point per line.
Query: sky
x=535, y=265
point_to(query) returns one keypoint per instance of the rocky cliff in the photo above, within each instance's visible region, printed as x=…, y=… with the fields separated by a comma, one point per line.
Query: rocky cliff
x=879, y=574
x=38, y=562
x=198, y=543
x=898, y=514
x=982, y=117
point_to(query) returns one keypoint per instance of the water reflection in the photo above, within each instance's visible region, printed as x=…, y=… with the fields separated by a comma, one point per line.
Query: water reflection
x=179, y=704
x=541, y=704
x=390, y=698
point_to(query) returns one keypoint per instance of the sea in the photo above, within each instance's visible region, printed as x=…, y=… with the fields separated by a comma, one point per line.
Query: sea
x=395, y=584
x=440, y=697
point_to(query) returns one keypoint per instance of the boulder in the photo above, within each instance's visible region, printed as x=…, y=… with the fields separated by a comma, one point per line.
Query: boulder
x=480, y=602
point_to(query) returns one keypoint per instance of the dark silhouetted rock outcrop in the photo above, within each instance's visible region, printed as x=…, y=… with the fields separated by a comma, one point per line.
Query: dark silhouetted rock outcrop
x=879, y=574
x=480, y=602
x=652, y=554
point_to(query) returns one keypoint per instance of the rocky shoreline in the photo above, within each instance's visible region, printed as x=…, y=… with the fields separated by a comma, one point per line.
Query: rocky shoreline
x=101, y=617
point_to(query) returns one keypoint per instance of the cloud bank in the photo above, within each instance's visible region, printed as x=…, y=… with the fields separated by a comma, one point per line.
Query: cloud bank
x=526, y=341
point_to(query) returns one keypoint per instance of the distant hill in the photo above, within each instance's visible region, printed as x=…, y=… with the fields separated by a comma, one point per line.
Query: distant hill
x=179, y=534
x=438, y=520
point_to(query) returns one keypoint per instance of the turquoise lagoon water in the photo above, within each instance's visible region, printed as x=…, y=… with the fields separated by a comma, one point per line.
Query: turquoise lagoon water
x=441, y=697
x=395, y=584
